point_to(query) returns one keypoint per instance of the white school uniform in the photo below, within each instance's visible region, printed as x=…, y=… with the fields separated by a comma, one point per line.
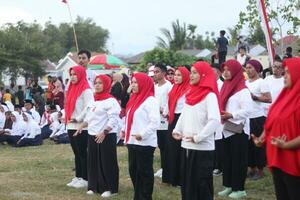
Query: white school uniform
x=199, y=121
x=18, y=127
x=240, y=105
x=161, y=93
x=82, y=107
x=32, y=128
x=146, y=121
x=103, y=114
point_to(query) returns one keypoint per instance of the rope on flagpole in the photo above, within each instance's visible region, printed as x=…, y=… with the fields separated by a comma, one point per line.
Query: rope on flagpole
x=74, y=32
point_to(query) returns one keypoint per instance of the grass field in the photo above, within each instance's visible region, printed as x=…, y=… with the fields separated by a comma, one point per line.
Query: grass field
x=41, y=173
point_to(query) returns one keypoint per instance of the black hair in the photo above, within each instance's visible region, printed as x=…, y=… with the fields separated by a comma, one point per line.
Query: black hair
x=289, y=49
x=7, y=90
x=277, y=58
x=20, y=87
x=86, y=52
x=222, y=32
x=216, y=66
x=49, y=76
x=200, y=59
x=162, y=67
x=242, y=47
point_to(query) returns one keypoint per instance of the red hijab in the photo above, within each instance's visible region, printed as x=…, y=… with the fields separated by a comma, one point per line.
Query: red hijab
x=236, y=84
x=105, y=94
x=146, y=89
x=75, y=90
x=284, y=119
x=206, y=84
x=177, y=91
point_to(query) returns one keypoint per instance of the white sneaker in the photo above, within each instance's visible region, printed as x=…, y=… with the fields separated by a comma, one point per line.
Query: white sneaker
x=74, y=180
x=158, y=173
x=81, y=183
x=90, y=192
x=108, y=194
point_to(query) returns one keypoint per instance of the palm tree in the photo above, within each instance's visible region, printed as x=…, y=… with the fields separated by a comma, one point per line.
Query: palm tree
x=175, y=40
x=192, y=28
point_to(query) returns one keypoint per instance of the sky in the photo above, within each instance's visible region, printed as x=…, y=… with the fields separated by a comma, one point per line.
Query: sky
x=133, y=24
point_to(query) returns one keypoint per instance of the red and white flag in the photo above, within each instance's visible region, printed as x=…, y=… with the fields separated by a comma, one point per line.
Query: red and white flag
x=266, y=29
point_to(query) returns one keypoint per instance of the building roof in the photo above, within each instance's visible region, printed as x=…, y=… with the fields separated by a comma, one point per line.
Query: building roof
x=136, y=59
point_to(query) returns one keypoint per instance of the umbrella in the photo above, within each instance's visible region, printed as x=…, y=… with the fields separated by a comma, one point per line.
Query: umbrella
x=104, y=61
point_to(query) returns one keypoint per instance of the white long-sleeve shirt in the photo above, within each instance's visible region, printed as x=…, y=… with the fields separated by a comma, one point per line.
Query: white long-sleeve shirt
x=82, y=107
x=240, y=106
x=161, y=94
x=103, y=114
x=199, y=121
x=146, y=121
x=33, y=129
x=36, y=116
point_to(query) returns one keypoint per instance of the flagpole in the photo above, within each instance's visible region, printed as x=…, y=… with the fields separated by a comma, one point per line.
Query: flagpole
x=74, y=32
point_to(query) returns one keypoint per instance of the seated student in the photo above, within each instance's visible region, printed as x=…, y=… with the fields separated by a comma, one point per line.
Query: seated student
x=29, y=107
x=3, y=110
x=61, y=136
x=18, y=109
x=33, y=132
x=18, y=129
x=47, y=120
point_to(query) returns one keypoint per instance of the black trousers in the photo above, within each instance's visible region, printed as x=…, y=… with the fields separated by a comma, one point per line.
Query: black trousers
x=140, y=160
x=103, y=169
x=287, y=187
x=256, y=155
x=171, y=170
x=218, y=154
x=197, y=177
x=79, y=147
x=46, y=132
x=235, y=159
x=222, y=57
x=10, y=139
x=162, y=143
x=31, y=141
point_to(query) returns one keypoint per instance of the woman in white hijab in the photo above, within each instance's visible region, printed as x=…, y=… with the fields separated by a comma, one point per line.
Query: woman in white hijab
x=33, y=132
x=13, y=135
x=3, y=109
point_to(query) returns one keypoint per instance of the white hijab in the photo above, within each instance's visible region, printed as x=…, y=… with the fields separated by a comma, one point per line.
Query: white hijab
x=18, y=126
x=32, y=127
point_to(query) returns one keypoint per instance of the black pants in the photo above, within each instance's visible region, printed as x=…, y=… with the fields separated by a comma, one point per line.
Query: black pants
x=31, y=141
x=235, y=159
x=10, y=139
x=62, y=139
x=256, y=155
x=162, y=141
x=287, y=187
x=218, y=155
x=79, y=147
x=46, y=132
x=222, y=57
x=140, y=160
x=171, y=170
x=196, y=172
x=103, y=170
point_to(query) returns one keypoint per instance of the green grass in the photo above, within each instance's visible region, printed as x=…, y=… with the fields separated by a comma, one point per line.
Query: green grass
x=41, y=173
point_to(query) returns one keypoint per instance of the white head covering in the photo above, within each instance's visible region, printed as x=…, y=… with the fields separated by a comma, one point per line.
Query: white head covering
x=10, y=106
x=32, y=126
x=18, y=126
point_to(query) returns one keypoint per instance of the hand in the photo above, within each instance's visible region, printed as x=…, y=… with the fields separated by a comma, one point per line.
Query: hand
x=226, y=115
x=279, y=142
x=19, y=141
x=73, y=121
x=100, y=137
x=122, y=134
x=254, y=98
x=138, y=137
x=189, y=139
x=258, y=141
x=177, y=136
x=78, y=132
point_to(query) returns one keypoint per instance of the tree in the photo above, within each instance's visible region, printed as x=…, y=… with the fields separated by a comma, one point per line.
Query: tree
x=191, y=36
x=174, y=39
x=165, y=56
x=280, y=13
x=234, y=34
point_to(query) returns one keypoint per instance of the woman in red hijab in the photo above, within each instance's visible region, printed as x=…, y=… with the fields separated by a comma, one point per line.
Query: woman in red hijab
x=282, y=135
x=78, y=99
x=236, y=103
x=142, y=122
x=102, y=123
x=196, y=125
x=171, y=172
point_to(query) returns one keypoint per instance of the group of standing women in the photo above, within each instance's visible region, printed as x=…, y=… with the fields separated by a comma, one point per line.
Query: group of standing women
x=196, y=109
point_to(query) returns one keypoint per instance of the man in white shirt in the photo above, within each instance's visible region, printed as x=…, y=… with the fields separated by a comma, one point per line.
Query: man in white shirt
x=83, y=60
x=276, y=81
x=162, y=88
x=242, y=56
x=260, y=94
